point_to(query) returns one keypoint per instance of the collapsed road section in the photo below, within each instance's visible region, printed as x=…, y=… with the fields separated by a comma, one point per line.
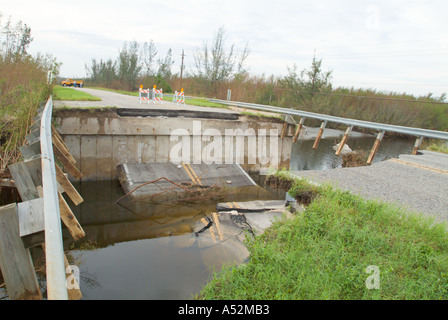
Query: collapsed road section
x=139, y=179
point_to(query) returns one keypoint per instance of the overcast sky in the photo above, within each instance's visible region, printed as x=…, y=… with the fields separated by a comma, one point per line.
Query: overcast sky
x=390, y=45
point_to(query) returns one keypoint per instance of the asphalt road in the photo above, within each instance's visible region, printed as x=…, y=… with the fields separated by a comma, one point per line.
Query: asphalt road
x=113, y=99
x=419, y=183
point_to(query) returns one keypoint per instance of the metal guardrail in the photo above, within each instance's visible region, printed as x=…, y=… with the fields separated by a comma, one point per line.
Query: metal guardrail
x=54, y=251
x=418, y=132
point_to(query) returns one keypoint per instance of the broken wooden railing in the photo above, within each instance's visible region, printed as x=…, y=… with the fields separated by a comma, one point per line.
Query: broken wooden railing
x=36, y=221
x=380, y=127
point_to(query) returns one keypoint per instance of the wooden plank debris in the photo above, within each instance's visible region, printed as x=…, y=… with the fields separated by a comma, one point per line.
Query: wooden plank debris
x=252, y=206
x=68, y=187
x=15, y=260
x=68, y=165
x=60, y=145
x=133, y=175
x=22, y=225
x=23, y=181
x=31, y=222
x=69, y=219
x=30, y=150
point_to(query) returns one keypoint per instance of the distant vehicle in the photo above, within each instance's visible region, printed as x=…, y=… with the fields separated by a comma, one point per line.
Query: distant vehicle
x=70, y=82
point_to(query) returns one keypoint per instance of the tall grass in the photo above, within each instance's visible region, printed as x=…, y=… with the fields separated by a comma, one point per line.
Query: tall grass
x=435, y=145
x=23, y=84
x=323, y=253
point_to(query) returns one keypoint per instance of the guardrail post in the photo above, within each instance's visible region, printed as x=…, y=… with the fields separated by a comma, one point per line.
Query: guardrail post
x=319, y=134
x=344, y=140
x=299, y=128
x=376, y=146
x=417, y=145
x=288, y=120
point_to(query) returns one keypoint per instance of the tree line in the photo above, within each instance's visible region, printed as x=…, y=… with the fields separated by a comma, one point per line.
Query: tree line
x=134, y=62
x=140, y=64
x=219, y=66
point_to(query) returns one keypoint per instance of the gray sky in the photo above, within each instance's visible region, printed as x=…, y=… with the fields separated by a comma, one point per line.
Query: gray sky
x=390, y=45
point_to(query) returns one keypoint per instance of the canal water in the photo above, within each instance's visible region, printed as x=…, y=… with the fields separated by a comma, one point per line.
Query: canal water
x=304, y=157
x=148, y=249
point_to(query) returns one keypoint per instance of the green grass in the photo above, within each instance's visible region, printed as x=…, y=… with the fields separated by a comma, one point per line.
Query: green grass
x=262, y=115
x=323, y=253
x=129, y=93
x=205, y=103
x=70, y=94
x=438, y=146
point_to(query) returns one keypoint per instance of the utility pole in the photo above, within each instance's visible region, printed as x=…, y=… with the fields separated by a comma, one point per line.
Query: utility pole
x=182, y=68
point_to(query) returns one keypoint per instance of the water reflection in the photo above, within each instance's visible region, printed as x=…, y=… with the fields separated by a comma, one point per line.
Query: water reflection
x=140, y=249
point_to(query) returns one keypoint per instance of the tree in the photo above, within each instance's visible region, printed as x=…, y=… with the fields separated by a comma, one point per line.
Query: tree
x=48, y=63
x=93, y=71
x=149, y=53
x=215, y=63
x=128, y=64
x=14, y=40
x=305, y=86
x=165, y=65
x=241, y=68
x=102, y=72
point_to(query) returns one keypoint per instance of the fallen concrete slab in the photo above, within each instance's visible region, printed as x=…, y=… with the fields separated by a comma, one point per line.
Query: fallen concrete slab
x=252, y=206
x=254, y=216
x=246, y=218
x=153, y=178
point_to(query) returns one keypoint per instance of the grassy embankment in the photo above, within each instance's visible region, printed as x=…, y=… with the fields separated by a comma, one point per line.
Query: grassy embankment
x=436, y=145
x=324, y=251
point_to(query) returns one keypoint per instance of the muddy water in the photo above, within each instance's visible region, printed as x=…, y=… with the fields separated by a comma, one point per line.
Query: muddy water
x=304, y=157
x=147, y=249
